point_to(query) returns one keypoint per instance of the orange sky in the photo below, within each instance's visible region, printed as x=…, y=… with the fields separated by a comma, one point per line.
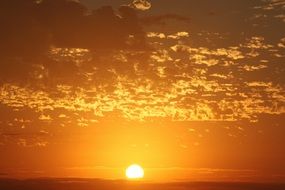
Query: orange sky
x=189, y=90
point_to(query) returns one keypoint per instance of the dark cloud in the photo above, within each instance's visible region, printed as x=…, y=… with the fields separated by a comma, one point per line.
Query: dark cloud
x=86, y=184
x=161, y=19
x=21, y=32
x=30, y=27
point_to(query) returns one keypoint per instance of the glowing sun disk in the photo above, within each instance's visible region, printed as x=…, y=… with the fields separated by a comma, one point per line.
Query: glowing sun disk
x=134, y=172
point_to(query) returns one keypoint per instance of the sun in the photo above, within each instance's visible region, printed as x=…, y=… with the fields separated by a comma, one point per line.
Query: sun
x=134, y=171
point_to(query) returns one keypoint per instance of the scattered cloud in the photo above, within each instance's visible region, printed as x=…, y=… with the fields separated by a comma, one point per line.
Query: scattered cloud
x=272, y=9
x=84, y=70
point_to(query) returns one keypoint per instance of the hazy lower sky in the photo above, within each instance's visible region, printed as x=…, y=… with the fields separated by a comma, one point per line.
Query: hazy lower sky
x=188, y=89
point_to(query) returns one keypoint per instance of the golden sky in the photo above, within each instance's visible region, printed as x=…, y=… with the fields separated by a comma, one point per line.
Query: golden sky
x=190, y=90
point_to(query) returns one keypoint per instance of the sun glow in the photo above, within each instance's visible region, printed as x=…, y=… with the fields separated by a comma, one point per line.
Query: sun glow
x=134, y=172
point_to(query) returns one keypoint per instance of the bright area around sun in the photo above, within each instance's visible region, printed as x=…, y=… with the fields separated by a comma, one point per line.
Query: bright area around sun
x=134, y=172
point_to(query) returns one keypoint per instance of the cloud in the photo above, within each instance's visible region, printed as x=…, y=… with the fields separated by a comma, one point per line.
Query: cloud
x=30, y=29
x=137, y=84
x=19, y=28
x=160, y=19
x=141, y=5
x=66, y=24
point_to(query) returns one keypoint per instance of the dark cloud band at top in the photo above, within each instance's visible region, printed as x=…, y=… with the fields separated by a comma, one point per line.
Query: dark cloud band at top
x=31, y=27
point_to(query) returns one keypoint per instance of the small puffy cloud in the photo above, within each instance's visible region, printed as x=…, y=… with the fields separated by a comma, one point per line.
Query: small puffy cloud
x=141, y=5
x=156, y=35
x=178, y=35
x=253, y=67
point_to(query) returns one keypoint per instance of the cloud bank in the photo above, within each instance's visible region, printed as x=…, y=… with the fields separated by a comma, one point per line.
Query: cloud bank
x=31, y=27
